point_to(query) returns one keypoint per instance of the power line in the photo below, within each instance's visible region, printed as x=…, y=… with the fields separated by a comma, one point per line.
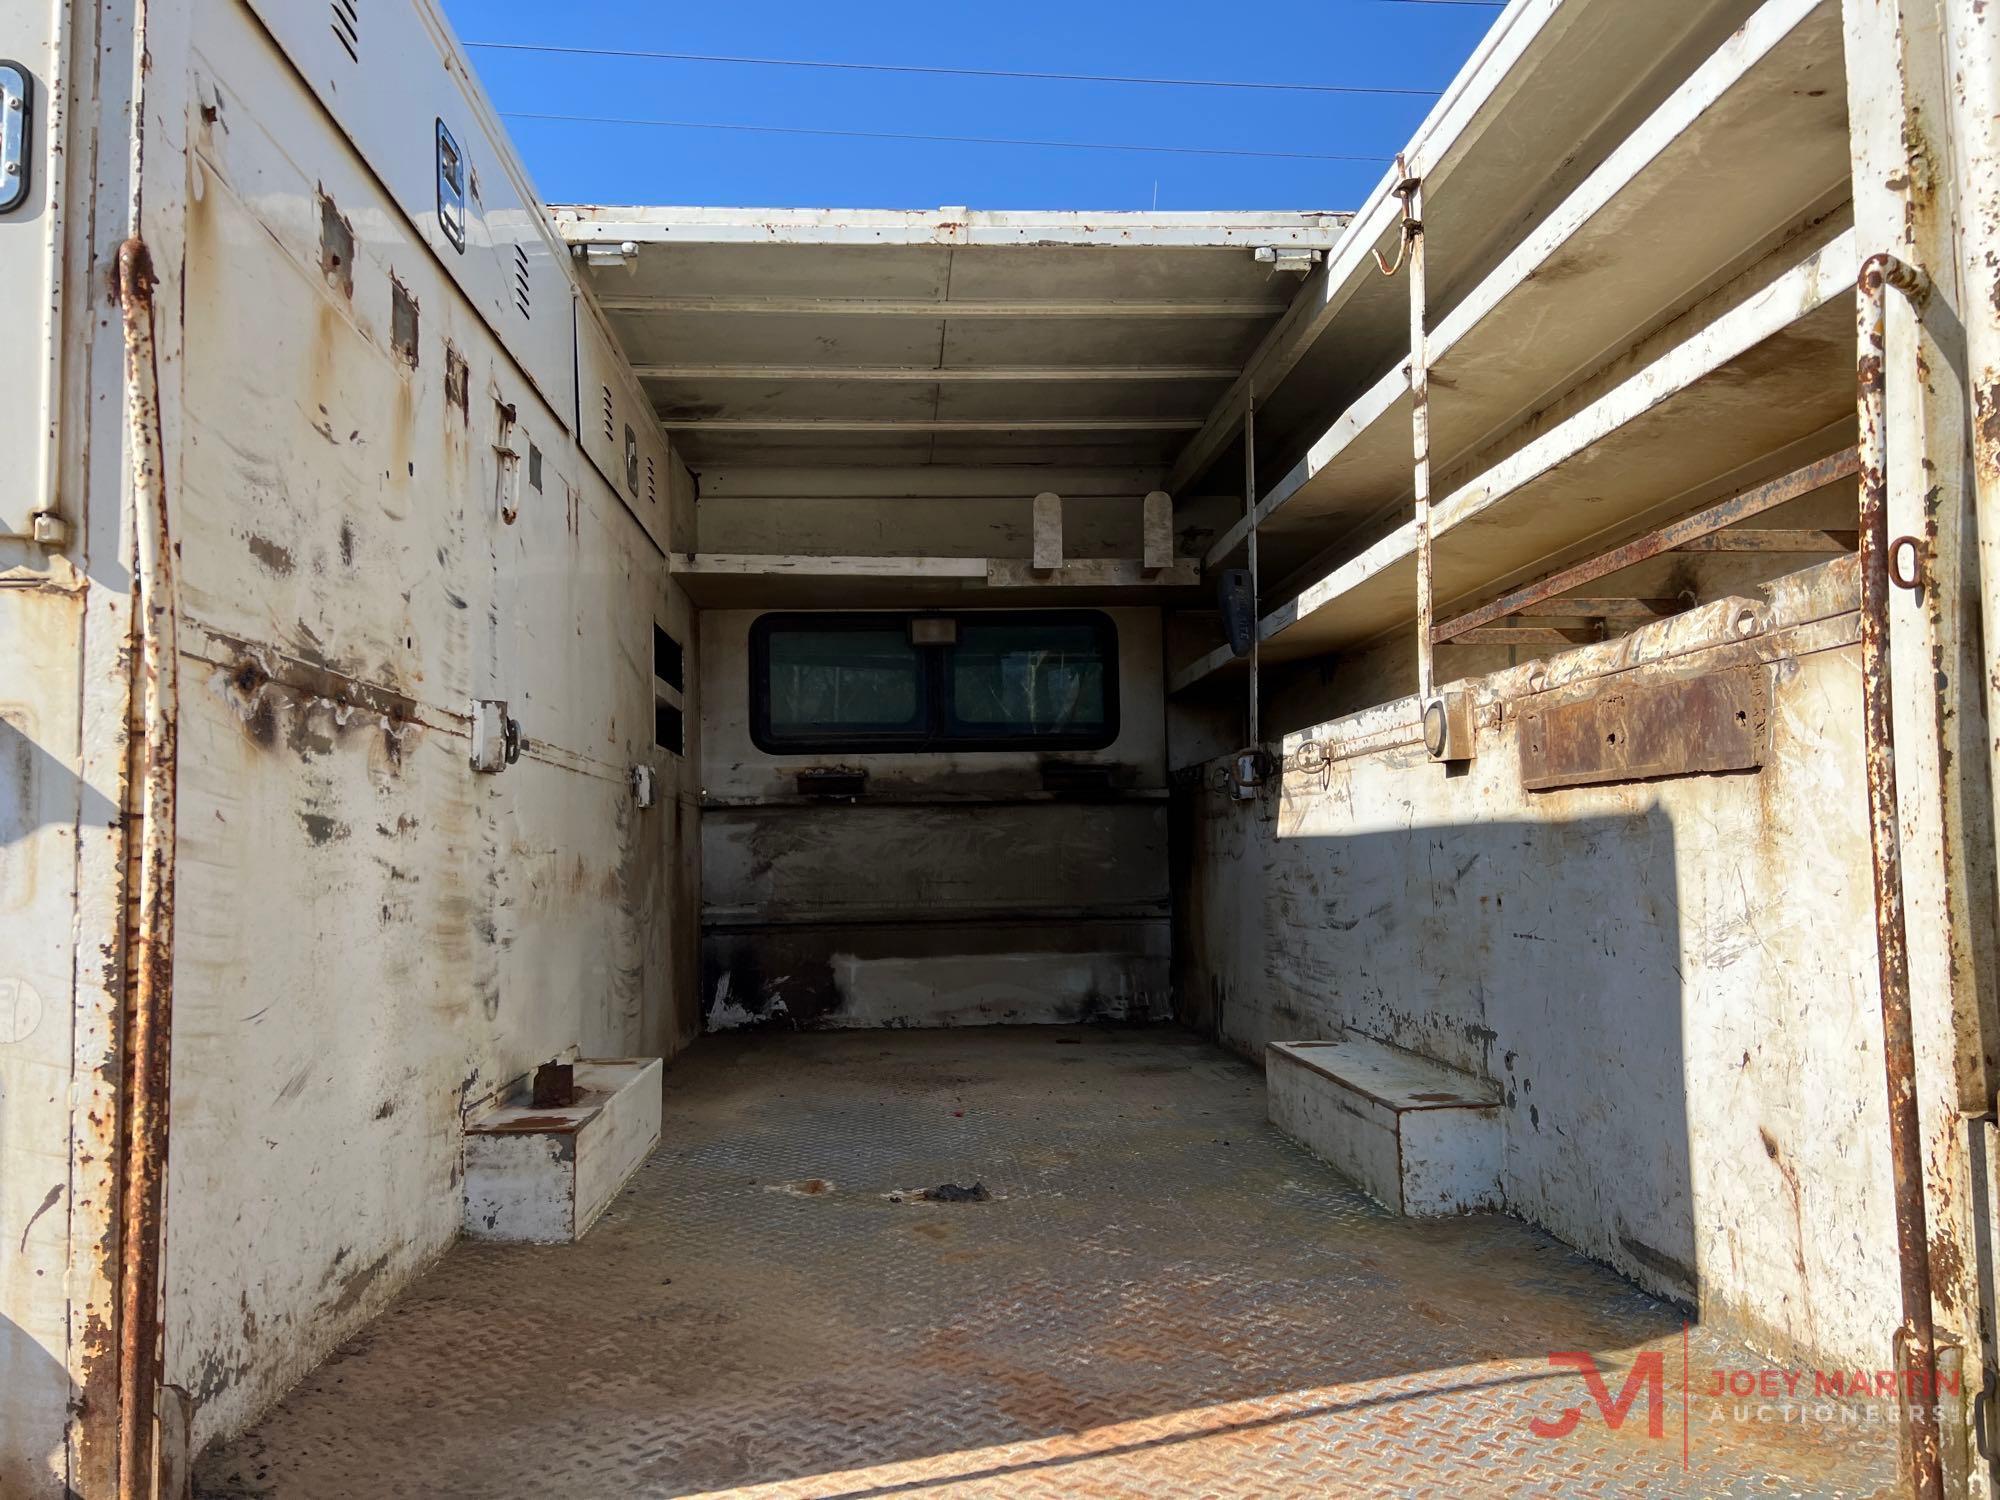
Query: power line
x=959, y=140
x=871, y=67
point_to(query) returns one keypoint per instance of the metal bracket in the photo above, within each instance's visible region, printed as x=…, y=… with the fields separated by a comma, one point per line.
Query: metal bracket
x=496, y=738
x=1249, y=771
x=1290, y=258
x=1448, y=727
x=604, y=257
x=1238, y=609
x=16, y=135
x=507, y=457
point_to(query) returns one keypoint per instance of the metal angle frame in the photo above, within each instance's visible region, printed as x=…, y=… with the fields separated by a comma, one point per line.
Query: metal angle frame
x=1670, y=538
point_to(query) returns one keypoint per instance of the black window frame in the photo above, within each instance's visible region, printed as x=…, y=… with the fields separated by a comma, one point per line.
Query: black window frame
x=934, y=685
x=668, y=653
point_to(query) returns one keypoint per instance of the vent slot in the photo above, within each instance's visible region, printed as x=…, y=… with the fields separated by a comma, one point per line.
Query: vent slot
x=403, y=323
x=347, y=27
x=669, y=661
x=610, y=417
x=652, y=484
x=669, y=730
x=522, y=298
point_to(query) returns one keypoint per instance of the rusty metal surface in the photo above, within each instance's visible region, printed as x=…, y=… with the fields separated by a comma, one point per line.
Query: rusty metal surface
x=1678, y=535
x=1916, y=1338
x=1161, y=1296
x=555, y=1085
x=149, y=1024
x=1718, y=721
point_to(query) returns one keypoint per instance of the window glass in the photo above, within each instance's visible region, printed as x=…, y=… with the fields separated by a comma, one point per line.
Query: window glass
x=1032, y=678
x=974, y=681
x=829, y=682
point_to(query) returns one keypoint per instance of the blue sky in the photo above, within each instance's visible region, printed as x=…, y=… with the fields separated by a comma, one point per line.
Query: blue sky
x=1367, y=42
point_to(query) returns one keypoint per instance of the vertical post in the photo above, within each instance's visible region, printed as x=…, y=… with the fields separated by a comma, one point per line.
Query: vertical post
x=1972, y=49
x=1250, y=514
x=1420, y=426
x=150, y=1028
x=1905, y=75
x=1916, y=1338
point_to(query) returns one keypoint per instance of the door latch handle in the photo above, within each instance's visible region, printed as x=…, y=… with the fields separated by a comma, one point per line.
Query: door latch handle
x=497, y=740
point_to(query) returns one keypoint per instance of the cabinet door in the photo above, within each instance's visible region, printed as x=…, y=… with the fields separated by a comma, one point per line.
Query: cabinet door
x=30, y=241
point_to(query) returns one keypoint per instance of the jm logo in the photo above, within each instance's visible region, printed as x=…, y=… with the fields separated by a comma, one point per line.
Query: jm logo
x=1649, y=1374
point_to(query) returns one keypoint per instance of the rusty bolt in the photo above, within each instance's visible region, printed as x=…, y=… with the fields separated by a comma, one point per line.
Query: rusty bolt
x=555, y=1085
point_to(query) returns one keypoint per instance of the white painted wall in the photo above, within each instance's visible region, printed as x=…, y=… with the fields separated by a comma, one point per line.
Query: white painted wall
x=956, y=892
x=1672, y=981
x=373, y=940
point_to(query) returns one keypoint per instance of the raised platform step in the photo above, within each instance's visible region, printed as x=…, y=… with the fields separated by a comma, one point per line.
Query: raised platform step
x=1421, y=1138
x=544, y=1175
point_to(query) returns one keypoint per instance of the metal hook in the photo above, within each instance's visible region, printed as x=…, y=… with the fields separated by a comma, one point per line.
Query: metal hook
x=1911, y=578
x=1406, y=189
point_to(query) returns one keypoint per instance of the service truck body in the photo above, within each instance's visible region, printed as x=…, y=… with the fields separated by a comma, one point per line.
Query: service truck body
x=1450, y=651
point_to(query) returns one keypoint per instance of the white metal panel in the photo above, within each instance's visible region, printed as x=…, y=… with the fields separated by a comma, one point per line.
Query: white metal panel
x=372, y=937
x=616, y=426
x=63, y=707
x=42, y=795
x=30, y=238
x=391, y=75
x=595, y=224
x=1631, y=962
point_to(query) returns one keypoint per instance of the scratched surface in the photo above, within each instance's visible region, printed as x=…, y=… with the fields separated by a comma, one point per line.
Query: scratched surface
x=373, y=939
x=1162, y=1296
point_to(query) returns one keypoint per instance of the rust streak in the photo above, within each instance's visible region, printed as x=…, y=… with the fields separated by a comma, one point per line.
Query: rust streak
x=150, y=1018
x=1751, y=502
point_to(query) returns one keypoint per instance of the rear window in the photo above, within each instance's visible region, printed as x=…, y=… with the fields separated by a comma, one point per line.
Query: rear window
x=986, y=680
x=839, y=680
x=1032, y=679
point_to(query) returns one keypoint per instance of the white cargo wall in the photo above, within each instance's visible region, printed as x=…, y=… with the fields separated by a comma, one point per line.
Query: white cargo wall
x=1671, y=981
x=957, y=890
x=373, y=939
x=65, y=630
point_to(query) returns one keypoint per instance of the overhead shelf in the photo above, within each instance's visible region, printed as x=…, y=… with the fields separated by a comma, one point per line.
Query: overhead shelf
x=1554, y=86
x=742, y=581
x=1751, y=147
x=1737, y=390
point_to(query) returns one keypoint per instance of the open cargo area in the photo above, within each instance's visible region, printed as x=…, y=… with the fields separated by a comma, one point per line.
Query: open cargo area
x=1152, y=1292
x=803, y=851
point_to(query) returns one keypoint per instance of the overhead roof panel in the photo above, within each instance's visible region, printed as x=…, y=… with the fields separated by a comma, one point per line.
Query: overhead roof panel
x=1048, y=334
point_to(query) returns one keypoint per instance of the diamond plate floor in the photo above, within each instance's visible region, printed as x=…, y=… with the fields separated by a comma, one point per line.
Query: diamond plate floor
x=1162, y=1297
